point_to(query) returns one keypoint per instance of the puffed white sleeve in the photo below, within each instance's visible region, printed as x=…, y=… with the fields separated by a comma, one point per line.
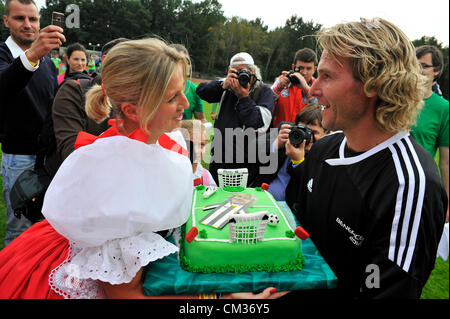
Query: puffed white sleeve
x=110, y=199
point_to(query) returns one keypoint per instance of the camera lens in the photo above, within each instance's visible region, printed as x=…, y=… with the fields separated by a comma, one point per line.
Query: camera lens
x=244, y=77
x=300, y=133
x=296, y=137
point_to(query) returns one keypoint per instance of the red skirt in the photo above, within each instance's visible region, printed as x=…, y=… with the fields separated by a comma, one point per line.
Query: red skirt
x=26, y=263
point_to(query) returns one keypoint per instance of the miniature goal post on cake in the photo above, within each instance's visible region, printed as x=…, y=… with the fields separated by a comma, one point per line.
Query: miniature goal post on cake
x=248, y=228
x=233, y=178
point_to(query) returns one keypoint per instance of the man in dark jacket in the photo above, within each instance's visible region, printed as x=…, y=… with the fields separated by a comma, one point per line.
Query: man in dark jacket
x=27, y=87
x=245, y=112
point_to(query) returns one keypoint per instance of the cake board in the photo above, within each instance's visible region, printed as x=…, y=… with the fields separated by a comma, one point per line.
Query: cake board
x=166, y=277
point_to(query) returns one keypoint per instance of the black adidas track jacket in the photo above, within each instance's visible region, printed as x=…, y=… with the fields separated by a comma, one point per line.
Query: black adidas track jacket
x=376, y=217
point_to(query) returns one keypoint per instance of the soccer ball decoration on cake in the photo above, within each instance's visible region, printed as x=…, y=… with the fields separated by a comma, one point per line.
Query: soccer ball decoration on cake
x=273, y=220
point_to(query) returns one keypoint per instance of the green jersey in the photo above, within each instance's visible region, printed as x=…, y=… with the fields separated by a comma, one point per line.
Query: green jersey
x=432, y=130
x=57, y=62
x=91, y=65
x=195, y=102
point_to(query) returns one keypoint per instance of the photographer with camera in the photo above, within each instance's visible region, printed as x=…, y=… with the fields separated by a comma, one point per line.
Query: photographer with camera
x=246, y=106
x=292, y=87
x=292, y=145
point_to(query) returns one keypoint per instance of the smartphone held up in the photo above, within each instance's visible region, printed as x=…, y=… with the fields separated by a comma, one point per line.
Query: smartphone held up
x=58, y=19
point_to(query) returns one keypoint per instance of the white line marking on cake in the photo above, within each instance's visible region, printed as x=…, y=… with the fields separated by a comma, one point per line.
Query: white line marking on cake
x=279, y=209
x=193, y=208
x=227, y=240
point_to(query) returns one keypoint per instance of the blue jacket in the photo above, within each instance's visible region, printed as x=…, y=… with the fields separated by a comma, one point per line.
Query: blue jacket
x=25, y=101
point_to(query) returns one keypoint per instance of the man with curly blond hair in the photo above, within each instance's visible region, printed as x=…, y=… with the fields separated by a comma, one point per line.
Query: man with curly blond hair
x=369, y=195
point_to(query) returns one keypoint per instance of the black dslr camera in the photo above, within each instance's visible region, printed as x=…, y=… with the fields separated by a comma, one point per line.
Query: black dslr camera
x=294, y=80
x=299, y=133
x=244, y=77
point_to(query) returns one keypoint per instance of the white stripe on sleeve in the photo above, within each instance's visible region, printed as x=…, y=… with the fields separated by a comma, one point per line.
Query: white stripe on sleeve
x=266, y=117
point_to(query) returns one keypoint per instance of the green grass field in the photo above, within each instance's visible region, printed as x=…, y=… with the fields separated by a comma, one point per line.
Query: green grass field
x=437, y=286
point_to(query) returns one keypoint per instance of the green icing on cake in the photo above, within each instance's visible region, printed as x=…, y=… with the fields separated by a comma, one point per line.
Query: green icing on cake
x=200, y=187
x=233, y=189
x=296, y=264
x=290, y=234
x=204, y=256
x=203, y=234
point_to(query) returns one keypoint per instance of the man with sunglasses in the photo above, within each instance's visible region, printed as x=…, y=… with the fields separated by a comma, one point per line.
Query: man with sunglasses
x=432, y=129
x=292, y=88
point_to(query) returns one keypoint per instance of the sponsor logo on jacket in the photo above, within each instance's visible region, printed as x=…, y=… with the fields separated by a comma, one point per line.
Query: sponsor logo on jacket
x=354, y=238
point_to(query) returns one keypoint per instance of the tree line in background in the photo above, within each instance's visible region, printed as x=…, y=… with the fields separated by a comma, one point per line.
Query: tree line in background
x=211, y=38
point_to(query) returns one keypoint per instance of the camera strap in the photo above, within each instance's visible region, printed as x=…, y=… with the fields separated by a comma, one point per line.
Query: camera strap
x=220, y=104
x=255, y=92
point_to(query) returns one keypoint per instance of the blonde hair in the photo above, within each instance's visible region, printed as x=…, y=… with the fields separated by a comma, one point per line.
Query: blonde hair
x=136, y=72
x=191, y=128
x=384, y=59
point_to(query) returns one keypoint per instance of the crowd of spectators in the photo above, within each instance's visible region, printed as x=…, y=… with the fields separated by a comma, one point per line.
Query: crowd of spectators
x=364, y=182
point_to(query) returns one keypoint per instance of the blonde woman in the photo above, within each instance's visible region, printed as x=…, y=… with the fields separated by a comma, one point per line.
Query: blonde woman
x=113, y=198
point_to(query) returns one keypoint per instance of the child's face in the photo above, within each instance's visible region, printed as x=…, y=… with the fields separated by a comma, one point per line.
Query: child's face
x=200, y=148
x=203, y=144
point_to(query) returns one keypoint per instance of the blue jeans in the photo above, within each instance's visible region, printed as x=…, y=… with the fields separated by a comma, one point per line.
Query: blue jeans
x=12, y=167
